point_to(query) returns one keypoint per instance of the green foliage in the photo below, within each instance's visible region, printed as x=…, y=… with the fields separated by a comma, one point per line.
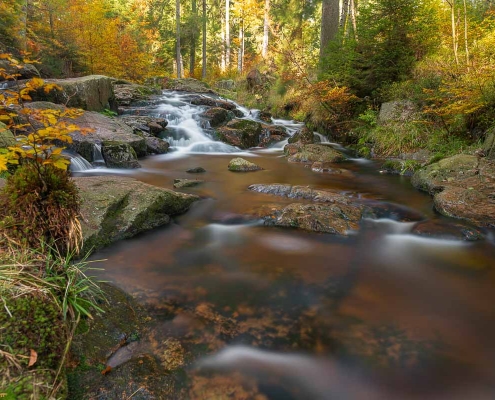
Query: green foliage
x=108, y=113
x=38, y=207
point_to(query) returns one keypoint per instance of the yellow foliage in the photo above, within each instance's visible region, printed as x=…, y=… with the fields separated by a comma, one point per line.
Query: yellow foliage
x=42, y=127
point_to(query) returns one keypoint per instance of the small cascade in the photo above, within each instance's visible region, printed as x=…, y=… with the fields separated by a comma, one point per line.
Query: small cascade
x=98, y=160
x=78, y=163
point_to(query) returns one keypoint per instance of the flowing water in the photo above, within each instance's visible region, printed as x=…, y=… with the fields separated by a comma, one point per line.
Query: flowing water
x=271, y=313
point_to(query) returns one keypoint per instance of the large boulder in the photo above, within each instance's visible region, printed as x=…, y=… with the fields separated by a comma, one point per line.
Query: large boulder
x=6, y=136
x=115, y=208
x=119, y=155
x=126, y=93
x=463, y=187
x=106, y=129
x=92, y=93
x=243, y=133
x=397, y=111
x=312, y=152
x=187, y=85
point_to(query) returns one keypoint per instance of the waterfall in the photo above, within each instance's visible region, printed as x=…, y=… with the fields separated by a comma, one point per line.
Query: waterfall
x=98, y=160
x=78, y=163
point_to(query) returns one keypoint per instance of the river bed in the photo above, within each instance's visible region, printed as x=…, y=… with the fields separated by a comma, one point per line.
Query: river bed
x=269, y=313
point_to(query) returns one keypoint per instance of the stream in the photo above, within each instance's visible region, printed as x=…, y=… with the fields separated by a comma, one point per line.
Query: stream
x=270, y=313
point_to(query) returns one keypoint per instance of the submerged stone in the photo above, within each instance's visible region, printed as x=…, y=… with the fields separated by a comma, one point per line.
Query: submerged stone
x=184, y=183
x=196, y=170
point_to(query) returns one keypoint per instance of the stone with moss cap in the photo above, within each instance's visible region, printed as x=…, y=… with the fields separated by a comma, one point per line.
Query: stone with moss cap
x=115, y=208
x=241, y=165
x=119, y=155
x=243, y=133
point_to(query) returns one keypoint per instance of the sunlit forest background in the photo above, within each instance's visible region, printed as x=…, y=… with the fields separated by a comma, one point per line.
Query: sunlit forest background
x=331, y=71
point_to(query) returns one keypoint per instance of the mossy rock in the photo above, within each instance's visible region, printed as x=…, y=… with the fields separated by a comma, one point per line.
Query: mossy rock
x=6, y=136
x=119, y=155
x=242, y=133
x=33, y=323
x=241, y=165
x=434, y=177
x=187, y=85
x=217, y=116
x=115, y=208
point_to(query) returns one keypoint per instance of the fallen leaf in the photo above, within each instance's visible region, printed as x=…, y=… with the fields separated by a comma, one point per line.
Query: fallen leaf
x=106, y=370
x=32, y=358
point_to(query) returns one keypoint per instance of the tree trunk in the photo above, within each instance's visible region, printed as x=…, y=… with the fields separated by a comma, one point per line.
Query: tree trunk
x=203, y=72
x=266, y=28
x=344, y=13
x=227, y=34
x=178, y=60
x=192, y=59
x=455, y=44
x=329, y=24
x=353, y=18
x=466, y=34
x=241, y=47
x=222, y=58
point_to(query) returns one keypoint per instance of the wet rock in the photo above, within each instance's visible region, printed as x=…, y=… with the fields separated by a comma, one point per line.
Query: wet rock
x=105, y=129
x=272, y=134
x=302, y=192
x=184, y=183
x=328, y=168
x=146, y=124
x=92, y=93
x=196, y=170
x=217, y=116
x=242, y=133
x=312, y=153
x=265, y=116
x=444, y=230
x=156, y=145
x=187, y=85
x=6, y=136
x=126, y=93
x=119, y=155
x=241, y=165
x=304, y=136
x=211, y=102
x=463, y=187
x=335, y=218
x=115, y=208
